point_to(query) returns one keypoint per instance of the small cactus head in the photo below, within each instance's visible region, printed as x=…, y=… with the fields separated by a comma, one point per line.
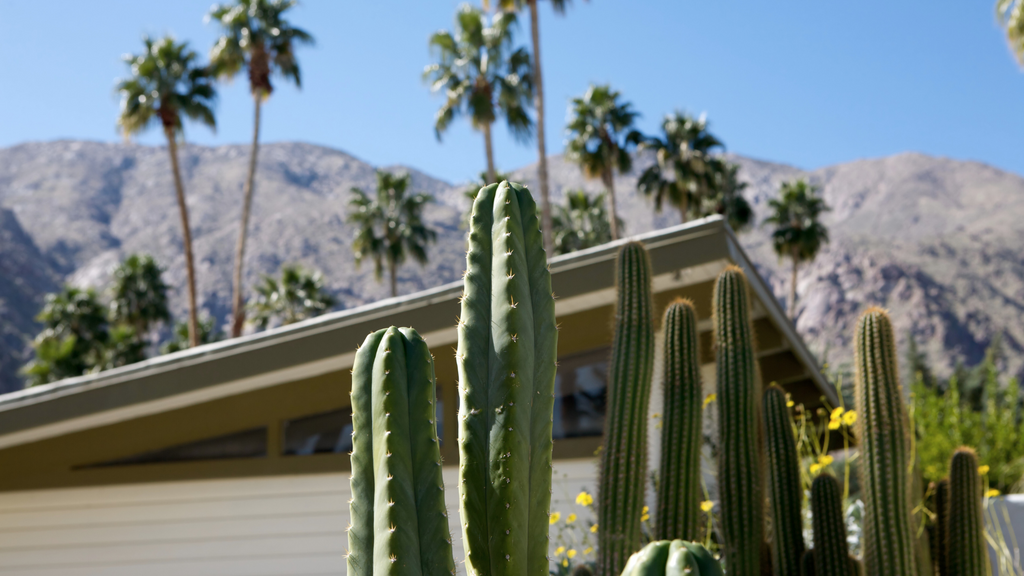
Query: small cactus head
x=582, y=570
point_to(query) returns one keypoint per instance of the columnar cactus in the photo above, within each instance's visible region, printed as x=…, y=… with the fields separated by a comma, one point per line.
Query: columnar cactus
x=624, y=458
x=506, y=360
x=966, y=553
x=672, y=558
x=888, y=542
x=831, y=555
x=739, y=417
x=679, y=488
x=784, y=491
x=807, y=563
x=940, y=529
x=399, y=521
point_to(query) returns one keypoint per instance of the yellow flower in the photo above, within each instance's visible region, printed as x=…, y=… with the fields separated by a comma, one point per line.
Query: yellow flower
x=983, y=469
x=571, y=553
x=565, y=563
x=709, y=399
x=833, y=424
x=559, y=550
x=850, y=417
x=991, y=493
x=588, y=550
x=593, y=529
x=815, y=468
x=707, y=505
x=585, y=499
x=656, y=415
x=789, y=403
x=645, y=510
x=836, y=413
x=554, y=517
x=825, y=459
x=645, y=517
x=570, y=518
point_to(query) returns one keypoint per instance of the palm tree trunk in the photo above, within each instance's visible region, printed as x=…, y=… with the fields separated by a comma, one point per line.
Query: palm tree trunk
x=186, y=233
x=237, y=308
x=609, y=182
x=792, y=284
x=492, y=174
x=538, y=103
x=394, y=281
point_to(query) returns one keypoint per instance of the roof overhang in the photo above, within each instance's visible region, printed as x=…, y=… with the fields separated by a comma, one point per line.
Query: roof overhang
x=682, y=255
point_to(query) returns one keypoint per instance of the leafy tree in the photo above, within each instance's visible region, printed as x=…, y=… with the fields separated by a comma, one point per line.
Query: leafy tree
x=389, y=225
x=258, y=38
x=1010, y=14
x=600, y=135
x=165, y=84
x=73, y=338
x=483, y=75
x=685, y=172
x=729, y=200
x=123, y=347
x=538, y=104
x=582, y=222
x=297, y=296
x=798, y=234
x=470, y=192
x=179, y=341
x=138, y=296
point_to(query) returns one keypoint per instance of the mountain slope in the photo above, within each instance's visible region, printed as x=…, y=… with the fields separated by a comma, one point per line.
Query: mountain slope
x=932, y=239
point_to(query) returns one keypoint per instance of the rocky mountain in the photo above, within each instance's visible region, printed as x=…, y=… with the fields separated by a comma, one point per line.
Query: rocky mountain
x=932, y=239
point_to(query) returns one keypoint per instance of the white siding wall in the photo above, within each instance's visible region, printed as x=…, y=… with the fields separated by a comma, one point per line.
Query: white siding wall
x=292, y=525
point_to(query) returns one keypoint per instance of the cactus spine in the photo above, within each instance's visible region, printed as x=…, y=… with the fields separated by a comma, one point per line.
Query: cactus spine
x=940, y=530
x=624, y=458
x=506, y=360
x=672, y=558
x=679, y=484
x=888, y=542
x=966, y=553
x=399, y=521
x=784, y=491
x=739, y=416
x=831, y=555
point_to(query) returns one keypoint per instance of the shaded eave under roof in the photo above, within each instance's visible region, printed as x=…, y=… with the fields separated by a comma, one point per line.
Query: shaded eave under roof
x=326, y=343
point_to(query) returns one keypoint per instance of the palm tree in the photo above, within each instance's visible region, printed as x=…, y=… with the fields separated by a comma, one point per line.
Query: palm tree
x=582, y=222
x=798, y=234
x=1010, y=14
x=482, y=75
x=208, y=333
x=297, y=296
x=685, y=172
x=166, y=82
x=73, y=338
x=601, y=132
x=138, y=296
x=390, y=225
x=258, y=38
x=729, y=200
x=538, y=104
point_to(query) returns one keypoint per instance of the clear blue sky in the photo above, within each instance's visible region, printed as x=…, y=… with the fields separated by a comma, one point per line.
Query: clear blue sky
x=806, y=83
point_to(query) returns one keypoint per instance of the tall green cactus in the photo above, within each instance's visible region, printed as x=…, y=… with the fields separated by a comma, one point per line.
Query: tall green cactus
x=399, y=521
x=940, y=527
x=672, y=558
x=966, y=554
x=506, y=360
x=784, y=491
x=624, y=458
x=739, y=425
x=831, y=555
x=679, y=487
x=807, y=563
x=882, y=430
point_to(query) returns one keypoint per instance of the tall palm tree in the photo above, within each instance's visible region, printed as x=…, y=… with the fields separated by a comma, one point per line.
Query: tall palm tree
x=798, y=234
x=582, y=222
x=729, y=200
x=1010, y=14
x=297, y=296
x=390, y=225
x=685, y=172
x=258, y=38
x=600, y=135
x=73, y=338
x=166, y=83
x=483, y=75
x=538, y=104
x=138, y=296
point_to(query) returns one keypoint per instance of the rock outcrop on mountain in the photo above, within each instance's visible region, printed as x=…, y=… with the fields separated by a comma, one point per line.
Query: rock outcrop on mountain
x=932, y=239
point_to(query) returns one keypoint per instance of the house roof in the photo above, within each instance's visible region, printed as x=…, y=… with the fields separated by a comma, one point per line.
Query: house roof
x=683, y=254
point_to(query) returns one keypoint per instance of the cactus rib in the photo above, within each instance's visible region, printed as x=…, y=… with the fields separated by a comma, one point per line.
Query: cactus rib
x=784, y=491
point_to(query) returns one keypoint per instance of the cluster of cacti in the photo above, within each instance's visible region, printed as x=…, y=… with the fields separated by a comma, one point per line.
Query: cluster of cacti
x=399, y=520
x=679, y=489
x=672, y=558
x=831, y=557
x=785, y=495
x=739, y=425
x=624, y=457
x=966, y=553
x=883, y=435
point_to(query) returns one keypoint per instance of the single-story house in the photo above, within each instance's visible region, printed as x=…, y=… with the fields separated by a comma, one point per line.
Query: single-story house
x=231, y=458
